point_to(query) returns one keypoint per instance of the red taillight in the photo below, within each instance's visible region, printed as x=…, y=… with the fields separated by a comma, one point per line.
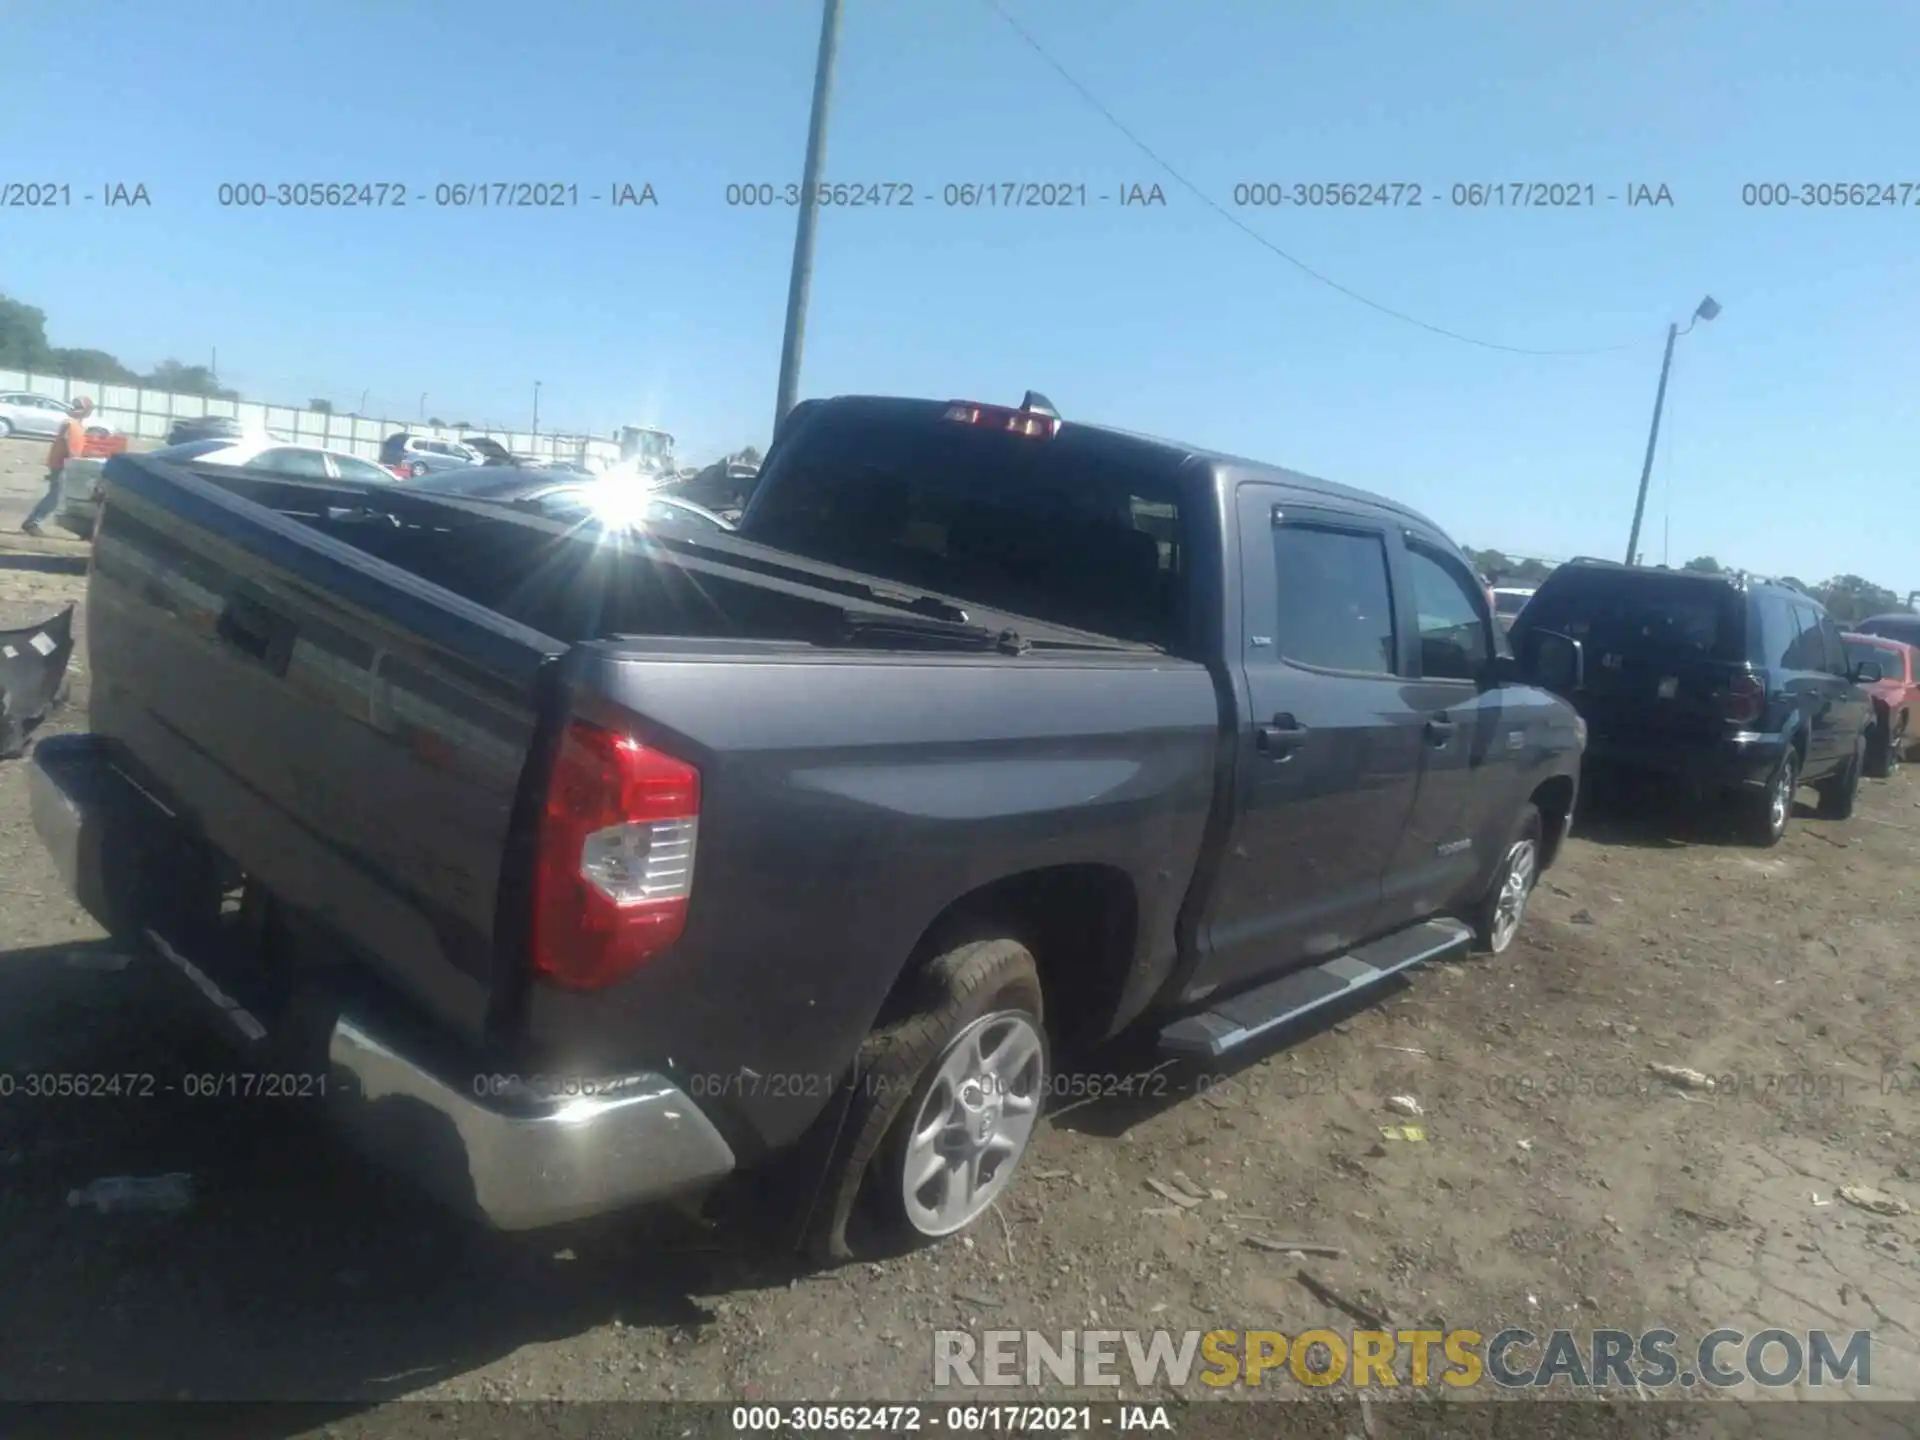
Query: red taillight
x=1000, y=417
x=1746, y=699
x=615, y=864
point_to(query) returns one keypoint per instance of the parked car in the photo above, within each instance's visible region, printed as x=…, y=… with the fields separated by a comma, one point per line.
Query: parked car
x=492, y=452
x=723, y=487
x=1895, y=697
x=1904, y=627
x=26, y=414
x=418, y=455
x=791, y=854
x=80, y=484
x=1508, y=601
x=208, y=427
x=1738, y=687
x=564, y=467
x=568, y=497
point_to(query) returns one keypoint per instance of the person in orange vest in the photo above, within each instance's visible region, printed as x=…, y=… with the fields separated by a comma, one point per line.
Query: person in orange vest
x=70, y=443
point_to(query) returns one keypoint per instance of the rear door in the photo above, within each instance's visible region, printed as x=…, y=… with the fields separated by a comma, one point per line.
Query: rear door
x=1808, y=679
x=1851, y=703
x=1329, y=753
x=1469, y=763
x=1660, y=650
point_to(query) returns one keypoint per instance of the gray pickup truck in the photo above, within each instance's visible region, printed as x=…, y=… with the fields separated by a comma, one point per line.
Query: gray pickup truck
x=574, y=868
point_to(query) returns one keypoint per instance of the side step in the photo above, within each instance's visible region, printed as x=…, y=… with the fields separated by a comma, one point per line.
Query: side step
x=1239, y=1018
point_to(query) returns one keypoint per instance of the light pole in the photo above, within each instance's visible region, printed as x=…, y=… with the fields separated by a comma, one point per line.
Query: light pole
x=536, y=407
x=1706, y=310
x=801, y=279
x=423, y=407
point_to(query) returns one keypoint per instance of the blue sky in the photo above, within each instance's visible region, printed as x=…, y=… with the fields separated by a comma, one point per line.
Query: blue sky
x=1790, y=436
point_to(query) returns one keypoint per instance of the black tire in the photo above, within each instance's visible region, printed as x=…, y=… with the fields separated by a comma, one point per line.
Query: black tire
x=1837, y=793
x=892, y=1078
x=1883, y=752
x=1765, y=820
x=1490, y=935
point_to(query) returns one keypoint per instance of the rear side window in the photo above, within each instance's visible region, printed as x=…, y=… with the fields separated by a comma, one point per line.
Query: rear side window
x=1626, y=612
x=1833, y=650
x=1064, y=530
x=1336, y=600
x=1779, y=631
x=307, y=464
x=1809, y=649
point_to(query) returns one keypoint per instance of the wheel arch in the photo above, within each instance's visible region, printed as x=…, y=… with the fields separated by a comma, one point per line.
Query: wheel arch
x=1081, y=922
x=1553, y=798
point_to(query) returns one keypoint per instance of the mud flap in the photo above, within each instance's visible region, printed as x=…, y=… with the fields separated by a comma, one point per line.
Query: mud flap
x=33, y=663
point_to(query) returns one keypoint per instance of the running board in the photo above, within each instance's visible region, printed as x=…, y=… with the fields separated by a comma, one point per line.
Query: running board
x=1236, y=1020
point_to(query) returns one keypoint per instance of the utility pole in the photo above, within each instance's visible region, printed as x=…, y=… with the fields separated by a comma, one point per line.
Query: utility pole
x=1706, y=310
x=536, y=407
x=1653, y=436
x=801, y=280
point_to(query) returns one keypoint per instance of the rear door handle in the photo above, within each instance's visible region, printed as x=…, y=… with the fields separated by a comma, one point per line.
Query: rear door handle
x=1280, y=738
x=1439, y=728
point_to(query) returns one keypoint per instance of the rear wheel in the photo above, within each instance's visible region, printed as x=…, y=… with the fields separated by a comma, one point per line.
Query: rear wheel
x=1884, y=750
x=946, y=1101
x=1837, y=793
x=1766, y=820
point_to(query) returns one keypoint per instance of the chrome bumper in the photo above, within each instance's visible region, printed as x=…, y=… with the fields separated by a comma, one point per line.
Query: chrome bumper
x=635, y=1138
x=518, y=1159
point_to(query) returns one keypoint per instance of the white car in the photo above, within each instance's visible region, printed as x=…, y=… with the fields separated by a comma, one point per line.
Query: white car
x=36, y=416
x=80, y=485
x=1509, y=601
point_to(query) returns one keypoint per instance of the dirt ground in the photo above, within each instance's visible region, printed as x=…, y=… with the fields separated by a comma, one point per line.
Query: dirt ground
x=1559, y=1183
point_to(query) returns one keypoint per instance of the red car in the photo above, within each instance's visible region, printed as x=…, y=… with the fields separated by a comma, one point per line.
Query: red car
x=1896, y=698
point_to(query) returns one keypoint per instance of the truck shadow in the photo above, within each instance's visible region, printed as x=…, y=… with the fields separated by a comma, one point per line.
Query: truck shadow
x=298, y=1271
x=43, y=563
x=1108, y=1090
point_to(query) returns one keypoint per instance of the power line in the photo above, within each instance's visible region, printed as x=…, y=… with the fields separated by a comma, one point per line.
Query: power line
x=1247, y=230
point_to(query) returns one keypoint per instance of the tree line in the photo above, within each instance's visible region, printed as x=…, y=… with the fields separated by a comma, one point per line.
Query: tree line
x=23, y=346
x=1848, y=598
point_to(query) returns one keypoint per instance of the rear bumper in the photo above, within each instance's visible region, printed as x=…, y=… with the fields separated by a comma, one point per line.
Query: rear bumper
x=519, y=1154
x=1738, y=760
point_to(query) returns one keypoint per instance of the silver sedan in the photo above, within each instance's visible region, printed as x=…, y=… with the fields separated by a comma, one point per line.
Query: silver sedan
x=35, y=416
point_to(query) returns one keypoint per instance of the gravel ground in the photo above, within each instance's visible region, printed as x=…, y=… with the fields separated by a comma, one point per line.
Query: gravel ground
x=1559, y=1182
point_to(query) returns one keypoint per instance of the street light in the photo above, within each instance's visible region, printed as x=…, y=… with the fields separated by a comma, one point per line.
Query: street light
x=536, y=407
x=800, y=282
x=1705, y=310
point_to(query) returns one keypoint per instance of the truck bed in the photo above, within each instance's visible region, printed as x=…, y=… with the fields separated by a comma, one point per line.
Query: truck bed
x=352, y=701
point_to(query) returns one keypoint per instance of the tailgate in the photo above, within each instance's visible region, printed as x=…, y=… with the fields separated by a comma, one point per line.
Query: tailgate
x=348, y=734
x=1654, y=696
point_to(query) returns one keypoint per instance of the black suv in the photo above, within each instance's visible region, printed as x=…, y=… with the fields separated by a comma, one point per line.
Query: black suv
x=205, y=427
x=1731, y=684
x=1896, y=626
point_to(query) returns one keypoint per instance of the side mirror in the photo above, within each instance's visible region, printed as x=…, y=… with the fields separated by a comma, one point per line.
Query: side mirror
x=1867, y=672
x=1553, y=661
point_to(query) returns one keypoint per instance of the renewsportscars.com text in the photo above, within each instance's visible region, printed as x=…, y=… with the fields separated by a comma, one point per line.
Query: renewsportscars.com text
x=1383, y=1359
